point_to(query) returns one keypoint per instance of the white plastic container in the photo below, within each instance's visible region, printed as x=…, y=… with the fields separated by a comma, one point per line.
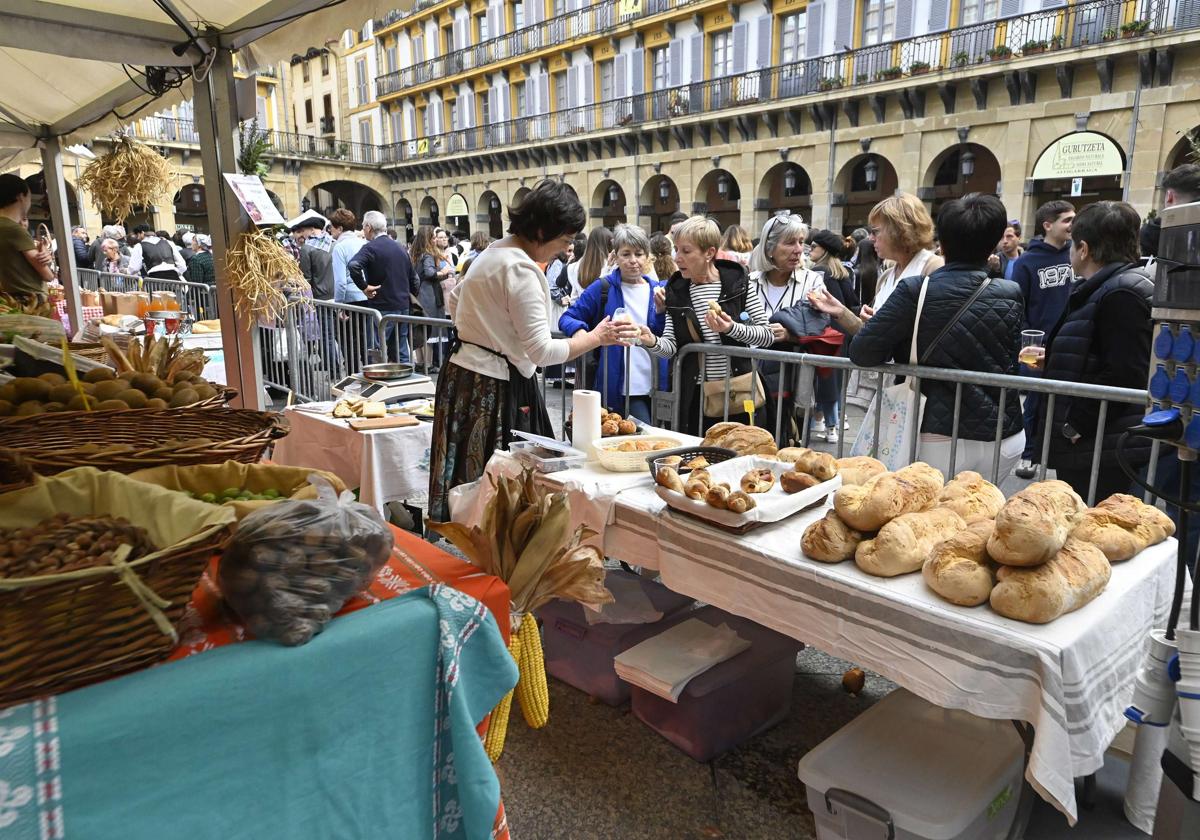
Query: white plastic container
x=930, y=773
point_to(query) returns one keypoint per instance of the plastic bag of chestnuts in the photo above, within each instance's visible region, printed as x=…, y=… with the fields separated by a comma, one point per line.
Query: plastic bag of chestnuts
x=291, y=566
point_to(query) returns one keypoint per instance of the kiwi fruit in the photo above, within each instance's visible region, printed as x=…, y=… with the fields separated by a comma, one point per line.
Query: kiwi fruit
x=53, y=379
x=53, y=406
x=8, y=393
x=206, y=391
x=184, y=396
x=155, y=402
x=6, y=408
x=147, y=383
x=112, y=405
x=164, y=393
x=62, y=393
x=109, y=390
x=184, y=376
x=132, y=397
x=100, y=374
x=29, y=407
x=76, y=403
x=29, y=389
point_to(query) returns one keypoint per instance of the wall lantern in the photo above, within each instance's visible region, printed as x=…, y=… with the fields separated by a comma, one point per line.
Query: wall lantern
x=871, y=172
x=723, y=186
x=789, y=182
x=664, y=190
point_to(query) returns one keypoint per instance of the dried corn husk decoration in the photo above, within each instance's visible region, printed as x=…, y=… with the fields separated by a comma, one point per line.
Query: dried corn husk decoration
x=264, y=278
x=525, y=539
x=127, y=176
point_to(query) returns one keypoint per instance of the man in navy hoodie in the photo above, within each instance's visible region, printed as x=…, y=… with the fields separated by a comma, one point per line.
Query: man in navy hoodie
x=1044, y=274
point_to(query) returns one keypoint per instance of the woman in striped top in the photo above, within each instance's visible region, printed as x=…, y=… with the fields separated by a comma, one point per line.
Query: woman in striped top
x=740, y=321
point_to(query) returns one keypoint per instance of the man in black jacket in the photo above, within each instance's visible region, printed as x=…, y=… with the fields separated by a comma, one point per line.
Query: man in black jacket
x=1102, y=339
x=964, y=325
x=384, y=271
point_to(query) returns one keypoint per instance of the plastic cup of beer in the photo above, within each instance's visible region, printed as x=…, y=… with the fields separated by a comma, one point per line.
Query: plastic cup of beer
x=1032, y=342
x=623, y=316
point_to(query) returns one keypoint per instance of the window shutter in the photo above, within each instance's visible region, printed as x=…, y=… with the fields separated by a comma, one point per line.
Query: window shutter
x=418, y=47
x=1187, y=14
x=696, y=48
x=544, y=95
x=530, y=7
x=501, y=19
x=588, y=72
x=741, y=46
x=619, y=88
x=572, y=87
x=939, y=15
x=1010, y=7
x=637, y=64
x=675, y=58
x=904, y=18
x=843, y=35
x=765, y=25
x=493, y=31
x=814, y=37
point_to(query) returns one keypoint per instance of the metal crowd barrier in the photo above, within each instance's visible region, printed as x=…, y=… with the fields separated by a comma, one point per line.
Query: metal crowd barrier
x=314, y=345
x=200, y=299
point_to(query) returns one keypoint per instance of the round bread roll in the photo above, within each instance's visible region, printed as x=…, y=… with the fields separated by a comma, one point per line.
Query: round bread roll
x=739, y=502
x=718, y=496
x=694, y=489
x=791, y=454
x=821, y=464
x=830, y=540
x=758, y=481
x=793, y=481
x=608, y=428
x=714, y=307
x=701, y=475
x=626, y=427
x=669, y=477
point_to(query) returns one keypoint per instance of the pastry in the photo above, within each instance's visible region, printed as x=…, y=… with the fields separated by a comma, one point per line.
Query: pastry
x=830, y=540
x=880, y=499
x=694, y=489
x=697, y=463
x=740, y=502
x=856, y=469
x=1035, y=523
x=608, y=428
x=904, y=543
x=758, y=481
x=972, y=497
x=626, y=427
x=669, y=478
x=714, y=307
x=1122, y=526
x=793, y=482
x=718, y=496
x=700, y=475
x=1071, y=578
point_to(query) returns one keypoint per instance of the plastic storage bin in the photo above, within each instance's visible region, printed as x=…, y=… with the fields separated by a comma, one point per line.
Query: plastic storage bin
x=581, y=654
x=930, y=773
x=730, y=702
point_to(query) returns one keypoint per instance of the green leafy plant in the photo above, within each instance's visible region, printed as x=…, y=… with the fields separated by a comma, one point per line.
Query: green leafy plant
x=961, y=58
x=862, y=78
x=830, y=83
x=1057, y=42
x=254, y=146
x=999, y=53
x=1033, y=47
x=918, y=67
x=1134, y=28
x=1109, y=34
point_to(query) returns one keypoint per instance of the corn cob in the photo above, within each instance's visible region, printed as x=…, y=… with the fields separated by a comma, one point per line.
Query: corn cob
x=493, y=741
x=531, y=686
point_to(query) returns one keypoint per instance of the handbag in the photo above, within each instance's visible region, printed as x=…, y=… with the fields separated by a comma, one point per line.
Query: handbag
x=901, y=407
x=747, y=386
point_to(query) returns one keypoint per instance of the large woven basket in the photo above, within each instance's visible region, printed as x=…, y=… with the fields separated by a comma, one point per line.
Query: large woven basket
x=14, y=472
x=65, y=631
x=51, y=443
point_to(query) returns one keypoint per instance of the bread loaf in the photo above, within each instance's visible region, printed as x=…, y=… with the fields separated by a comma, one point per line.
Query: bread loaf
x=758, y=481
x=742, y=439
x=668, y=477
x=856, y=469
x=819, y=464
x=902, y=545
x=789, y=454
x=959, y=569
x=1122, y=525
x=880, y=499
x=1035, y=523
x=972, y=497
x=1072, y=577
x=793, y=482
x=830, y=540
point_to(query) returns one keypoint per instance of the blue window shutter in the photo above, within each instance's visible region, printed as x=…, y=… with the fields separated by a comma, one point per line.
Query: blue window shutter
x=939, y=15
x=572, y=87
x=741, y=46
x=637, y=65
x=544, y=104
x=619, y=88
x=904, y=18
x=765, y=25
x=844, y=33
x=1010, y=7
x=588, y=72
x=812, y=46
x=676, y=60
x=696, y=47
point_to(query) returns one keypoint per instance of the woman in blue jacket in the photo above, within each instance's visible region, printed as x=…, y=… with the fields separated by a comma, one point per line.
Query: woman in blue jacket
x=626, y=287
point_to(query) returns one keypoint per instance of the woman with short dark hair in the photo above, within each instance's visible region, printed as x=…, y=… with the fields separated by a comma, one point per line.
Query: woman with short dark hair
x=500, y=310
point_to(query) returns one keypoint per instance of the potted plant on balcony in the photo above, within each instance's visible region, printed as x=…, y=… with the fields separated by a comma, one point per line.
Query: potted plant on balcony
x=1135, y=28
x=961, y=58
x=1033, y=47
x=1057, y=42
x=1109, y=35
x=918, y=67
x=1000, y=53
x=889, y=73
x=862, y=78
x=829, y=83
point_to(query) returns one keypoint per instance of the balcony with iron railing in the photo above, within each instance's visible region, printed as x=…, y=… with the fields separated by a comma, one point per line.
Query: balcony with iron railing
x=581, y=23
x=995, y=41
x=171, y=131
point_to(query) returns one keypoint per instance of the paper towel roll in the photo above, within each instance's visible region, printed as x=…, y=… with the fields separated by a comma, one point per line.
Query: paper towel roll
x=585, y=420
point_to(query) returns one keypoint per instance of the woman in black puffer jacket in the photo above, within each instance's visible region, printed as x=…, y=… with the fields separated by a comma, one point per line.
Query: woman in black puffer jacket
x=986, y=337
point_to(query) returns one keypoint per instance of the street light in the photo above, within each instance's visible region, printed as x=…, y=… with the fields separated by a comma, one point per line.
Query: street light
x=614, y=194
x=871, y=172
x=789, y=183
x=967, y=162
x=495, y=204
x=723, y=186
x=664, y=191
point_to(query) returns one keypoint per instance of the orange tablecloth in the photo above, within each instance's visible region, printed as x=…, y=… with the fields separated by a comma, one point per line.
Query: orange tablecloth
x=414, y=563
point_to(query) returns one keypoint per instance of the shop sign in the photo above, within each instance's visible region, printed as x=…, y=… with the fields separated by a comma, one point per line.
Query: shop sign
x=629, y=8
x=456, y=206
x=1080, y=155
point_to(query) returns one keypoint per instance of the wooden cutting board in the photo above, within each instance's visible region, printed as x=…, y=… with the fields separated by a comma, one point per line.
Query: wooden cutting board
x=370, y=424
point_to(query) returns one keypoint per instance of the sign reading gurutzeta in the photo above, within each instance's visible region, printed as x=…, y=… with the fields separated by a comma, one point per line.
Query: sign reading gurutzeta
x=1079, y=155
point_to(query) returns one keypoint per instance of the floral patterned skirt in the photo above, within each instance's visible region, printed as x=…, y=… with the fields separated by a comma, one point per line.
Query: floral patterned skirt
x=474, y=415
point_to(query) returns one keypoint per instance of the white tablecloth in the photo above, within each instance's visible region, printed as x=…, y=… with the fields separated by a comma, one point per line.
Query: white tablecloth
x=386, y=465
x=1071, y=679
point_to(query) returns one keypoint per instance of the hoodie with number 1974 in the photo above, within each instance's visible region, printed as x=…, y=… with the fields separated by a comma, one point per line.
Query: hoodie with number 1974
x=1044, y=274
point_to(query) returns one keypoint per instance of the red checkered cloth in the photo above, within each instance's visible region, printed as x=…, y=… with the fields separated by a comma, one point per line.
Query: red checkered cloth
x=89, y=313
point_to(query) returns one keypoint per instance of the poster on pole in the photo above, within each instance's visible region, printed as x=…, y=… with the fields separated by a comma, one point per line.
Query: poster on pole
x=1076, y=187
x=254, y=198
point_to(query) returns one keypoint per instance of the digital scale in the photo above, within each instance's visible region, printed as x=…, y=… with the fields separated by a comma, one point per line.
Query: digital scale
x=383, y=390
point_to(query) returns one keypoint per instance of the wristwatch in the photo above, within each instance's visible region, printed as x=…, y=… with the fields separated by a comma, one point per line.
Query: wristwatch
x=1068, y=431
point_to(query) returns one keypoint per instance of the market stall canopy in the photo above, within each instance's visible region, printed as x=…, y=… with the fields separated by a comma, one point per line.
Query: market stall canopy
x=76, y=72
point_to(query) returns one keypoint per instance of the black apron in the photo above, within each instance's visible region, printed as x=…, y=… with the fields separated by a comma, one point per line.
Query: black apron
x=524, y=409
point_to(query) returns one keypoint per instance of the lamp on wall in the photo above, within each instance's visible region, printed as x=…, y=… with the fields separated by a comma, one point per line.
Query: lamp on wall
x=789, y=182
x=305, y=204
x=871, y=173
x=723, y=186
x=967, y=161
x=614, y=194
x=495, y=204
x=664, y=190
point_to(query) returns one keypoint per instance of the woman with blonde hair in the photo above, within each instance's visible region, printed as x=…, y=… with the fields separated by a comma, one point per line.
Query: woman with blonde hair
x=708, y=301
x=902, y=231
x=736, y=245
x=594, y=263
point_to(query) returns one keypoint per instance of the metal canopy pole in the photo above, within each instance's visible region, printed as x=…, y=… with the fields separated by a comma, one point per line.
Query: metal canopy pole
x=60, y=216
x=216, y=123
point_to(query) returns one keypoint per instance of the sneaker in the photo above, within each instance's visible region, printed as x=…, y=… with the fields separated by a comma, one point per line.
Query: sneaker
x=845, y=425
x=1025, y=469
x=831, y=434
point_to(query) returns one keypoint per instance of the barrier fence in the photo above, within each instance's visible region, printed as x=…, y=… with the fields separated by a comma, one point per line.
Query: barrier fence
x=200, y=299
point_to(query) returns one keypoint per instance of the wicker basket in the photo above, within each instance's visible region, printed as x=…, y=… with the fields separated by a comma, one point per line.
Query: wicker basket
x=51, y=443
x=63, y=631
x=15, y=472
x=615, y=461
x=217, y=400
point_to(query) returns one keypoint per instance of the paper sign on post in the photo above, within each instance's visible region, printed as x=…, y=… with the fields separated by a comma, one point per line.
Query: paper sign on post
x=1076, y=187
x=254, y=198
